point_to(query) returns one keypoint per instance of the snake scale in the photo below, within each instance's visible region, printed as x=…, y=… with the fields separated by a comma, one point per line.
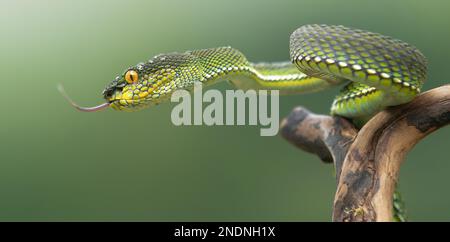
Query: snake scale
x=376, y=71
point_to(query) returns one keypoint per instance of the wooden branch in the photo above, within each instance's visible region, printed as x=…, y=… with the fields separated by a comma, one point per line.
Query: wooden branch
x=325, y=136
x=368, y=162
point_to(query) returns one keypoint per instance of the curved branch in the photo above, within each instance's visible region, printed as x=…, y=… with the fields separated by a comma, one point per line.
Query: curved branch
x=373, y=155
x=325, y=136
x=371, y=167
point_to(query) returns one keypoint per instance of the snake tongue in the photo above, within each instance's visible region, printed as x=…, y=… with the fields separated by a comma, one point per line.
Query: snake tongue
x=91, y=109
x=83, y=109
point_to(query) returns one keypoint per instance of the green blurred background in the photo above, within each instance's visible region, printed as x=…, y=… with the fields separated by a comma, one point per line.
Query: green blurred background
x=60, y=164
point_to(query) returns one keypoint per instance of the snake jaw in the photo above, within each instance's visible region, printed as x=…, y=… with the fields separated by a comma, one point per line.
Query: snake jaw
x=130, y=105
x=130, y=99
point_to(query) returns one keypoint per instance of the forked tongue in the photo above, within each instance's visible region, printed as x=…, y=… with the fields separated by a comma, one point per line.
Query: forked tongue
x=83, y=109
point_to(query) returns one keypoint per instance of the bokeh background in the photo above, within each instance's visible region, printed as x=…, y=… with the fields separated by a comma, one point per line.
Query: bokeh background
x=60, y=164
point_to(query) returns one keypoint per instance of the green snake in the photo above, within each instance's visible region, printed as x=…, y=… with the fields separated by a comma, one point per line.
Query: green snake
x=377, y=71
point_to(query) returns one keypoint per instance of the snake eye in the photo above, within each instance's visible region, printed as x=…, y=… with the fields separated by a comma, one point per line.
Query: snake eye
x=131, y=76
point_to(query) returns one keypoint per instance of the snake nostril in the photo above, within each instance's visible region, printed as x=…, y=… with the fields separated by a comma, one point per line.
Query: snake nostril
x=108, y=92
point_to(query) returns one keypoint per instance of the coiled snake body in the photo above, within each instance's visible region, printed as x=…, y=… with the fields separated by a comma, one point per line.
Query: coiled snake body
x=377, y=71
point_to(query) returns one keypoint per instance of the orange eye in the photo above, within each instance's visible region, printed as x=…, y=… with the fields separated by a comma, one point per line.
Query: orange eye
x=131, y=76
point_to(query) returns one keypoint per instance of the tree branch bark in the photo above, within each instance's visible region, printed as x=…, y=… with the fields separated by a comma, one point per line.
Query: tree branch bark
x=367, y=161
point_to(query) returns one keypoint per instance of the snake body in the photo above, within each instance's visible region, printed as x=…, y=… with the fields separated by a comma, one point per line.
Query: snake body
x=378, y=71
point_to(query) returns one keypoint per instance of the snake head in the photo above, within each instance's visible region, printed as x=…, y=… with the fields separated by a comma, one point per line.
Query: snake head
x=145, y=84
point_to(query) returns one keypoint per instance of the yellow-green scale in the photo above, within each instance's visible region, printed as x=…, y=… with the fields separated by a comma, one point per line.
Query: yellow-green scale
x=229, y=64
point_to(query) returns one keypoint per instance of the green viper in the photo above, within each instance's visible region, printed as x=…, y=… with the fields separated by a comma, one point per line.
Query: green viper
x=378, y=71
